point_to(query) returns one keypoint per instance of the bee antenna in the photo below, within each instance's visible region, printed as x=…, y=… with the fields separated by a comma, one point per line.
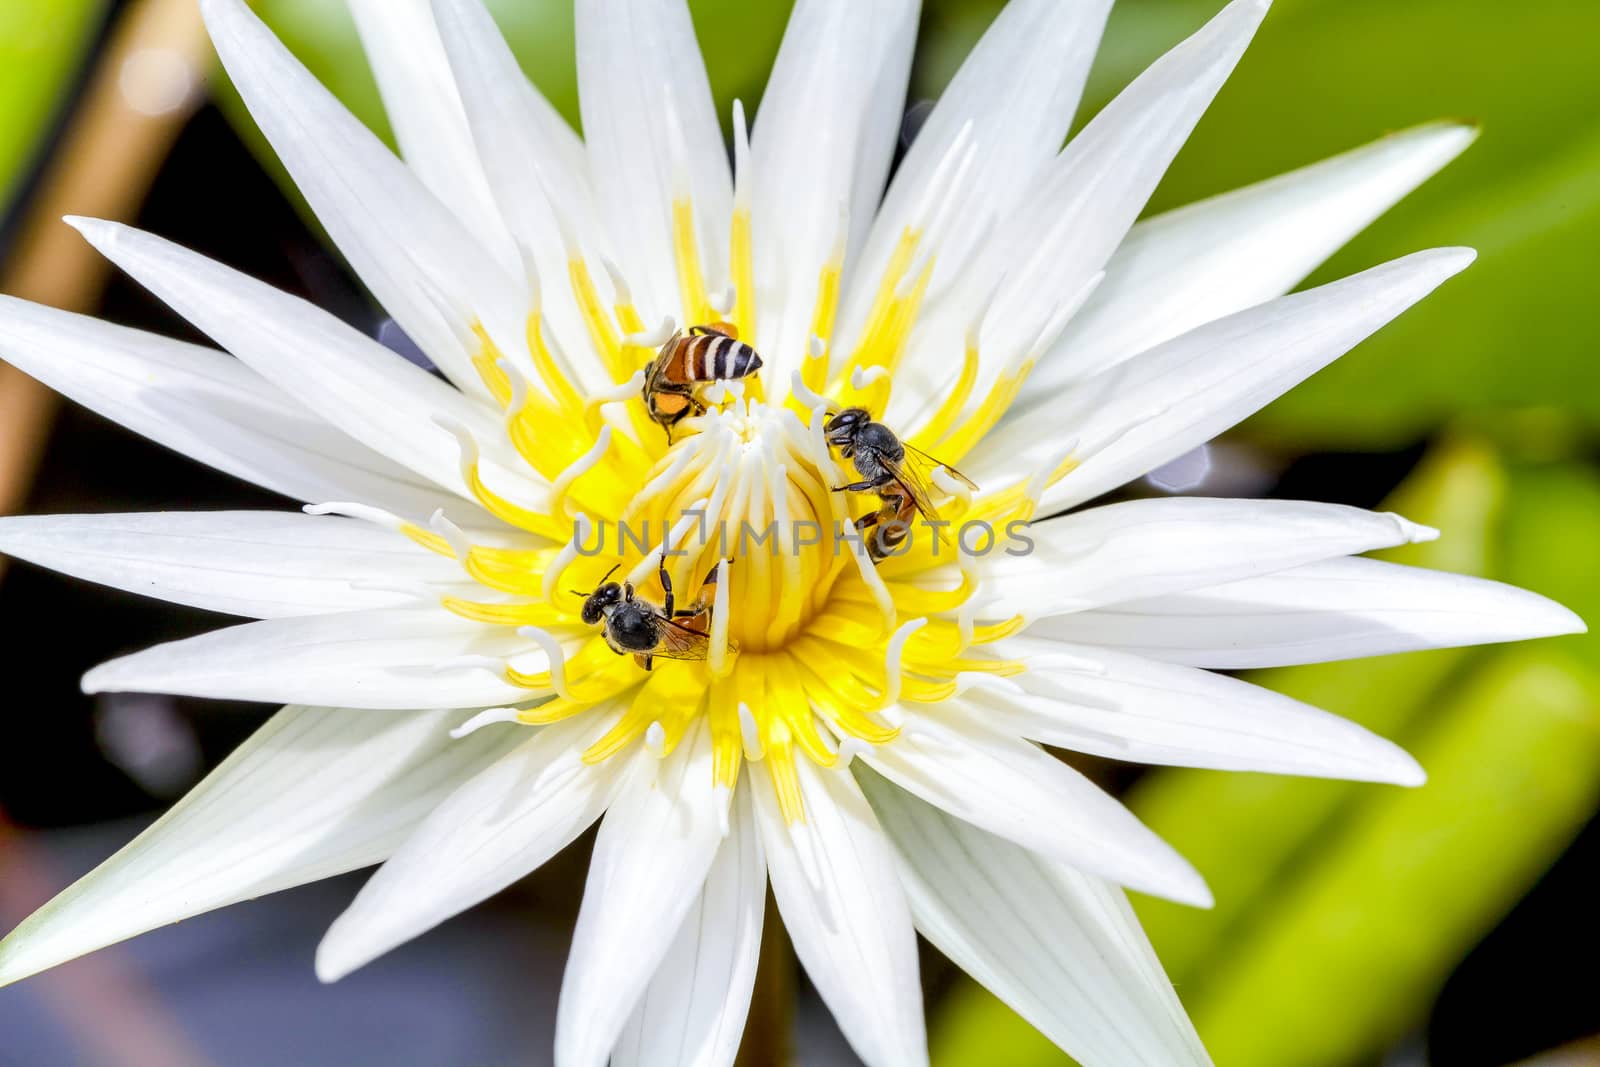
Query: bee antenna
x=609, y=573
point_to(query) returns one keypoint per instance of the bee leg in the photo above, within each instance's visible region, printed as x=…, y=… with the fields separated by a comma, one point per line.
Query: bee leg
x=855, y=487
x=666, y=587
x=644, y=659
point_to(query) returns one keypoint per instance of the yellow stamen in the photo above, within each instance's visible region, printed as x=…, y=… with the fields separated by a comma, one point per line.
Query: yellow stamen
x=691, y=283
x=742, y=259
x=601, y=331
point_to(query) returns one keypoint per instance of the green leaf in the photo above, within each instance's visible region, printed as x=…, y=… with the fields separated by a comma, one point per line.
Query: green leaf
x=41, y=45
x=1551, y=536
x=1324, y=76
x=1351, y=953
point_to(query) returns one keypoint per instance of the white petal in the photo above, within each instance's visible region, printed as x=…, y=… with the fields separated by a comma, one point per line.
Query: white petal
x=652, y=133
x=1161, y=403
x=883, y=121
x=692, y=1014
x=313, y=793
x=419, y=94
x=206, y=405
x=1196, y=264
x=387, y=658
x=1063, y=949
x=493, y=829
x=816, y=148
x=1337, y=609
x=1019, y=90
x=1044, y=253
x=1125, y=707
x=1015, y=789
x=259, y=564
x=408, y=248
x=535, y=165
x=1102, y=179
x=1144, y=548
x=834, y=879
x=334, y=369
x=650, y=863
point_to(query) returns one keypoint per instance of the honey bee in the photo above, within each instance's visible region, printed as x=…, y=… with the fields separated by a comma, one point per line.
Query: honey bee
x=634, y=626
x=689, y=360
x=900, y=474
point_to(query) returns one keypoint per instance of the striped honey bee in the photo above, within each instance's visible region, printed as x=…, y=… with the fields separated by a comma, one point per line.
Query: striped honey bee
x=689, y=360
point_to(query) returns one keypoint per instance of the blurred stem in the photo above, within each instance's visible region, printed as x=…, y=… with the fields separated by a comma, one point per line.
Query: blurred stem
x=1352, y=951
x=769, y=1032
x=146, y=84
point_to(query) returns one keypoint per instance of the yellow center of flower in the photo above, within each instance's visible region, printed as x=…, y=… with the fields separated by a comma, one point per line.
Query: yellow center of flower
x=809, y=646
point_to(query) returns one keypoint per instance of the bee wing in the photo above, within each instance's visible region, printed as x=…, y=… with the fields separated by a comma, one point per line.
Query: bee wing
x=680, y=642
x=657, y=371
x=929, y=464
x=911, y=475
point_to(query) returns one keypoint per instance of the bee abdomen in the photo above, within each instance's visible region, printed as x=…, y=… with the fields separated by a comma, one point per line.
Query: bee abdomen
x=714, y=357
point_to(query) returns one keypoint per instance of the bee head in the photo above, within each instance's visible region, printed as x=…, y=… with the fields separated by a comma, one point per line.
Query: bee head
x=841, y=428
x=596, y=603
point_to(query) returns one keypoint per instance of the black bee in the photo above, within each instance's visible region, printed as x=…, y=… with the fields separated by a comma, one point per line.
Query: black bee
x=900, y=474
x=636, y=627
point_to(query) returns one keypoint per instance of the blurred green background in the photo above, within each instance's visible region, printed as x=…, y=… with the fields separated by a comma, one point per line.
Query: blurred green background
x=1343, y=910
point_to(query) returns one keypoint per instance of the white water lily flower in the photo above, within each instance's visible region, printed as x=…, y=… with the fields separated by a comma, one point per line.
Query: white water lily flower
x=865, y=736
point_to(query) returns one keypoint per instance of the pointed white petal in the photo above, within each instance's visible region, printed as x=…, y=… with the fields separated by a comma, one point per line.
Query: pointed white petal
x=535, y=165
x=812, y=155
x=1144, y=548
x=652, y=133
x=883, y=120
x=1196, y=264
x=206, y=405
x=650, y=864
x=1161, y=403
x=336, y=371
x=313, y=793
x=1129, y=708
x=692, y=1014
x=490, y=831
x=259, y=564
x=387, y=658
x=1018, y=90
x=481, y=60
x=834, y=879
x=408, y=248
x=1044, y=253
x=1102, y=179
x=1017, y=790
x=1337, y=609
x=1063, y=949
x=419, y=94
